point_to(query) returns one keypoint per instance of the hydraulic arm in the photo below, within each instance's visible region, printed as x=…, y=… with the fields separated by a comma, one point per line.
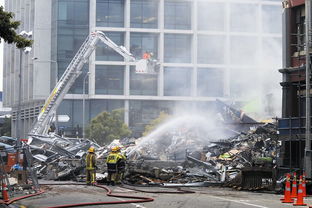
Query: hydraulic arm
x=71, y=73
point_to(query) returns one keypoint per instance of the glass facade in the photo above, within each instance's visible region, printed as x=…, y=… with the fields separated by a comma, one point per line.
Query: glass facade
x=271, y=19
x=110, y=13
x=214, y=12
x=178, y=48
x=143, y=42
x=244, y=17
x=141, y=112
x=177, y=81
x=105, y=53
x=142, y=84
x=72, y=30
x=178, y=14
x=210, y=82
x=109, y=80
x=99, y=106
x=73, y=108
x=211, y=49
x=220, y=56
x=144, y=13
x=243, y=50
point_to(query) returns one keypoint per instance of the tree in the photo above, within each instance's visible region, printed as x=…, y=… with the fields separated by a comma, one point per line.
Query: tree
x=7, y=30
x=163, y=117
x=106, y=127
x=5, y=127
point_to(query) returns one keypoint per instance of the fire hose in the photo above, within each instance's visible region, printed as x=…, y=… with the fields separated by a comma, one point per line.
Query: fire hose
x=137, y=199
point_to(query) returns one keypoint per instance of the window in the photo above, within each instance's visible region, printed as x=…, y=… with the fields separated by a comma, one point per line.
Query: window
x=243, y=50
x=271, y=19
x=109, y=80
x=244, y=17
x=110, y=13
x=211, y=16
x=72, y=108
x=141, y=112
x=98, y=106
x=77, y=87
x=73, y=12
x=211, y=49
x=177, y=48
x=243, y=82
x=177, y=81
x=142, y=84
x=210, y=82
x=143, y=42
x=144, y=13
x=105, y=53
x=72, y=30
x=272, y=53
x=178, y=15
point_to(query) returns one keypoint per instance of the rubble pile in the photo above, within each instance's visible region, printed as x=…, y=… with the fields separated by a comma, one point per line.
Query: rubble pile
x=226, y=148
x=58, y=158
x=215, y=162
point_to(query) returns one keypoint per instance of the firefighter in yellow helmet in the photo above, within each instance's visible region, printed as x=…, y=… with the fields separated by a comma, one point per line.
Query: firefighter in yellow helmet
x=90, y=166
x=112, y=161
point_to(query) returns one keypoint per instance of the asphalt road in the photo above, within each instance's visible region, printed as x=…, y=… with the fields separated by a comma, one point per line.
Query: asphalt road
x=203, y=197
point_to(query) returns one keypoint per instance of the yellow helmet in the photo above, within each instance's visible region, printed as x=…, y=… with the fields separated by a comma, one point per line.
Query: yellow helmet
x=91, y=149
x=115, y=148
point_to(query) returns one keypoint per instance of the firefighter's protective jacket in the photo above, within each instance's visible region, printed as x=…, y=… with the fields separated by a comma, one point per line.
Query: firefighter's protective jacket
x=90, y=161
x=113, y=158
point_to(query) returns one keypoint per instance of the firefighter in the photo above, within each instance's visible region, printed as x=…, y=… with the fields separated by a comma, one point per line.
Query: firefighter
x=121, y=166
x=90, y=166
x=112, y=161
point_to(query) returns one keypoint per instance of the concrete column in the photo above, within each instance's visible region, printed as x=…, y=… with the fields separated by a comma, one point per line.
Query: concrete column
x=161, y=23
x=227, y=74
x=92, y=26
x=194, y=48
x=127, y=45
x=126, y=120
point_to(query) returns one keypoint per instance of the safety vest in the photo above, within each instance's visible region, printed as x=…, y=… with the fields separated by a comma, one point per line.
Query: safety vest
x=90, y=161
x=113, y=158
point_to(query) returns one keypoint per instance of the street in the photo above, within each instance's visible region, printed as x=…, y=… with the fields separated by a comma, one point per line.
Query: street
x=213, y=197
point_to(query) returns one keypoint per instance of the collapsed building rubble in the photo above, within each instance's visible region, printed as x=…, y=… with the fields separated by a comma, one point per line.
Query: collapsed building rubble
x=233, y=149
x=250, y=154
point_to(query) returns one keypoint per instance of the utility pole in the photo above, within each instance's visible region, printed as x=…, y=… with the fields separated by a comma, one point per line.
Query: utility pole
x=18, y=117
x=84, y=105
x=307, y=158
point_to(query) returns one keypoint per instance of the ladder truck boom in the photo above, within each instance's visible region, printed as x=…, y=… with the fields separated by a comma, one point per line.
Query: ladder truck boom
x=73, y=70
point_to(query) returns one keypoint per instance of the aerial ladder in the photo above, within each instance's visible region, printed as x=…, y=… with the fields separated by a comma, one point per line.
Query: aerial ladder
x=72, y=72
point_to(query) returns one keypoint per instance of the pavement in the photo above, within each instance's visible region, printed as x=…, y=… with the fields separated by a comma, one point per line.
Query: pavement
x=208, y=197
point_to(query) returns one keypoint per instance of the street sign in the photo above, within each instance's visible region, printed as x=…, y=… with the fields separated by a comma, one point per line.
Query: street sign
x=62, y=118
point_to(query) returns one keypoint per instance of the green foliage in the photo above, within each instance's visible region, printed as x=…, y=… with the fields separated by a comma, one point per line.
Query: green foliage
x=7, y=30
x=5, y=128
x=106, y=127
x=162, y=118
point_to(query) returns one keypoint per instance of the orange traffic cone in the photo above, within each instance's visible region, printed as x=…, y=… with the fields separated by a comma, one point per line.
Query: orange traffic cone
x=299, y=201
x=5, y=194
x=284, y=189
x=294, y=186
x=304, y=185
x=287, y=197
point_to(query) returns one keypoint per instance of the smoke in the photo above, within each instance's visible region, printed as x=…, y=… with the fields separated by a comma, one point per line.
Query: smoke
x=252, y=52
x=180, y=133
